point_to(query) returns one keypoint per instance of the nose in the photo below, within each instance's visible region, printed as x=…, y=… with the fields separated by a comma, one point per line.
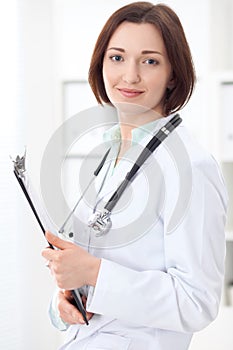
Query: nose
x=131, y=74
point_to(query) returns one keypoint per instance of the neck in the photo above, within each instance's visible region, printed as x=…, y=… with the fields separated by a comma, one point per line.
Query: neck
x=128, y=122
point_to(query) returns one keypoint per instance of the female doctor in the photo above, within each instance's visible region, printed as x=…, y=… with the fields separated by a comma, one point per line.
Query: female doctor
x=158, y=278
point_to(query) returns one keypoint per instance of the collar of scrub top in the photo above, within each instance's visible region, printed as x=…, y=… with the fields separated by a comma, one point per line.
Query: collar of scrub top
x=113, y=136
x=100, y=221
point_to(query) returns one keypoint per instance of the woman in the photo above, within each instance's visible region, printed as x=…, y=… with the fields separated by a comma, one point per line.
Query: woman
x=163, y=282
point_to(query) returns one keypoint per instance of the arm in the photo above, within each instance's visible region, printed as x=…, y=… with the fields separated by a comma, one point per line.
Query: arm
x=72, y=267
x=185, y=297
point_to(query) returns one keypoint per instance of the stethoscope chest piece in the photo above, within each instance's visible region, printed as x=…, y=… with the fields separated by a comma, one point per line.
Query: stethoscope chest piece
x=100, y=222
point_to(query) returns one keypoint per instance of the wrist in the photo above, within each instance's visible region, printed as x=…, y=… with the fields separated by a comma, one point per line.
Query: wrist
x=93, y=271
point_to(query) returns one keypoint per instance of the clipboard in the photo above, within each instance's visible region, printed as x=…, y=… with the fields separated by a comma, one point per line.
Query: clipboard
x=19, y=170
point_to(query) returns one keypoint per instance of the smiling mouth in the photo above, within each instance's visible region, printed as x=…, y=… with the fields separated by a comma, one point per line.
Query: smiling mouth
x=130, y=92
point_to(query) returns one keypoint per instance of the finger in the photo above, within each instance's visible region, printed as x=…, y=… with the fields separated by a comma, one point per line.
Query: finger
x=49, y=254
x=57, y=242
x=68, y=312
x=89, y=315
x=69, y=296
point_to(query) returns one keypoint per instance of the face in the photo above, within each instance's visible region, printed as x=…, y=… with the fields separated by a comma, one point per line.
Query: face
x=136, y=69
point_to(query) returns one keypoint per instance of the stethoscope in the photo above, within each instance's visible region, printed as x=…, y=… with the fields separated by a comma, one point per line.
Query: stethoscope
x=100, y=221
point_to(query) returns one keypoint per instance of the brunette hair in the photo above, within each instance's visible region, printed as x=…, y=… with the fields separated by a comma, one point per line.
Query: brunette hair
x=179, y=55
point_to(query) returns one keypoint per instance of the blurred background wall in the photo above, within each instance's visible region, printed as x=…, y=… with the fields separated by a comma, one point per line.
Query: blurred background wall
x=46, y=47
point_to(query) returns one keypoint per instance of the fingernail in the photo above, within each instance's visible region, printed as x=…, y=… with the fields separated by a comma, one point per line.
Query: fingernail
x=81, y=320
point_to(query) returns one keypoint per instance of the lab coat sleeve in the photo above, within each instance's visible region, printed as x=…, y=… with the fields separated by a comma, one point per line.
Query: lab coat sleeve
x=185, y=296
x=56, y=320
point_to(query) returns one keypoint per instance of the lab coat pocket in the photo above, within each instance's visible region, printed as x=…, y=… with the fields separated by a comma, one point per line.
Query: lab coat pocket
x=106, y=341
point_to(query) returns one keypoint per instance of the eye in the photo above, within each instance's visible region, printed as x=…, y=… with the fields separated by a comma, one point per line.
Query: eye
x=151, y=61
x=116, y=58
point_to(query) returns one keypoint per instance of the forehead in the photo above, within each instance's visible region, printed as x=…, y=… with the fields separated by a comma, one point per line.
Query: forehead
x=137, y=35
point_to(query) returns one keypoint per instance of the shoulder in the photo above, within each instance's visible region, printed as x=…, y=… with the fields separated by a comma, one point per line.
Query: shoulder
x=184, y=160
x=199, y=158
x=193, y=179
x=182, y=145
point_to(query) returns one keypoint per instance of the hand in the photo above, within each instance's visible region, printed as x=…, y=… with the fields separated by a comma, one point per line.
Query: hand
x=67, y=311
x=71, y=265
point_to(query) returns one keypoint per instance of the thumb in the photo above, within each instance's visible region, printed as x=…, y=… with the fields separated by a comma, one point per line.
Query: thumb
x=57, y=242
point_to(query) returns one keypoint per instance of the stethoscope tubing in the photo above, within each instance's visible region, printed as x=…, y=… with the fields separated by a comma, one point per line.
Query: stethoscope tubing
x=147, y=151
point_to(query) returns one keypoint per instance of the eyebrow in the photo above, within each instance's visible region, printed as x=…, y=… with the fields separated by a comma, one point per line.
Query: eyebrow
x=144, y=52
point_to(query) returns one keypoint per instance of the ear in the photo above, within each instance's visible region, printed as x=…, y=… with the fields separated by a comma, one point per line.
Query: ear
x=171, y=84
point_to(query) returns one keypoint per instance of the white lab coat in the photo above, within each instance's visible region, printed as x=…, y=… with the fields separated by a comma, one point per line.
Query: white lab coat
x=162, y=286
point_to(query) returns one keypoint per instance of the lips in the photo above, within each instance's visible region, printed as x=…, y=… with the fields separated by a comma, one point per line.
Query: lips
x=130, y=92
